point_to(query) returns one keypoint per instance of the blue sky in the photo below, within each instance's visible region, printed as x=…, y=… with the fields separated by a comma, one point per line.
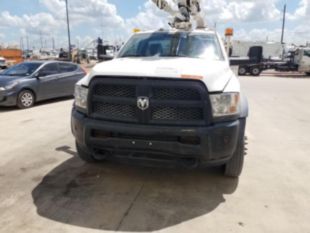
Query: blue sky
x=114, y=19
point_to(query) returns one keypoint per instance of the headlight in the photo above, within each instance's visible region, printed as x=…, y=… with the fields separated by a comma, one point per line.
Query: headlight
x=80, y=95
x=2, y=89
x=225, y=104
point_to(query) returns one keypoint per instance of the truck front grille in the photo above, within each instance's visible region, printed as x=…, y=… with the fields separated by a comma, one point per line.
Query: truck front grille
x=171, y=113
x=171, y=102
x=114, y=111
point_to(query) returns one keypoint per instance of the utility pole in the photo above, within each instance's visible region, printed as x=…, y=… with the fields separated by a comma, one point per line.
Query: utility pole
x=283, y=24
x=68, y=25
x=53, y=43
x=41, y=40
x=22, y=43
x=27, y=41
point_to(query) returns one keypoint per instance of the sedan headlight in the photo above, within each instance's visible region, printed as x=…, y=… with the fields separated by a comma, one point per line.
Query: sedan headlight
x=225, y=104
x=80, y=95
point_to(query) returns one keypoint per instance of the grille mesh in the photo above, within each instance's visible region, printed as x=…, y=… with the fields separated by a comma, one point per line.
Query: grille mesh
x=115, y=90
x=163, y=93
x=169, y=101
x=177, y=114
x=118, y=111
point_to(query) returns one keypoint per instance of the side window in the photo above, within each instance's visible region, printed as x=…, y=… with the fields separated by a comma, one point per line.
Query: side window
x=49, y=69
x=65, y=68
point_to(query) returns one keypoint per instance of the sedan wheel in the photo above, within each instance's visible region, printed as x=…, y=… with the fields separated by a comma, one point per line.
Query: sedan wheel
x=25, y=99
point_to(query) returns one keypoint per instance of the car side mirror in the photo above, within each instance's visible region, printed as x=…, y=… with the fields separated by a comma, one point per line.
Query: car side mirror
x=41, y=74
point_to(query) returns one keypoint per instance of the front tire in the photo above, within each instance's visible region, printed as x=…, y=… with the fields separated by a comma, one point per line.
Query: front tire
x=85, y=155
x=234, y=167
x=25, y=99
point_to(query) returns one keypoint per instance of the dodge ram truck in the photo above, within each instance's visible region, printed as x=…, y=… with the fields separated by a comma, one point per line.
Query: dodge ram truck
x=168, y=97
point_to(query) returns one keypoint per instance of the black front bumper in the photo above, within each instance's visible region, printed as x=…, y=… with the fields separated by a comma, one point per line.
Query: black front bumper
x=8, y=98
x=210, y=145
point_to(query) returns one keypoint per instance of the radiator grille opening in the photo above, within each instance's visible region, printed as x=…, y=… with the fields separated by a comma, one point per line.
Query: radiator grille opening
x=114, y=110
x=115, y=90
x=164, y=93
x=179, y=114
x=172, y=102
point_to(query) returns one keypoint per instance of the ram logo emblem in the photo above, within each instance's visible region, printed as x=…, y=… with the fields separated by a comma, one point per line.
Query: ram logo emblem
x=143, y=103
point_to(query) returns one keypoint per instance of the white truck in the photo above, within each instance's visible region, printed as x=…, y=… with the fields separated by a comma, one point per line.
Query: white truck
x=169, y=97
x=297, y=60
x=3, y=64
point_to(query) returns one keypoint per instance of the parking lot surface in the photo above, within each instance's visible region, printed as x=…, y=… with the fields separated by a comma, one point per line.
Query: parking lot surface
x=46, y=188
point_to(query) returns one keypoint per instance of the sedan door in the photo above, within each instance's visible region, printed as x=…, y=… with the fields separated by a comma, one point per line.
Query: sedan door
x=48, y=82
x=70, y=74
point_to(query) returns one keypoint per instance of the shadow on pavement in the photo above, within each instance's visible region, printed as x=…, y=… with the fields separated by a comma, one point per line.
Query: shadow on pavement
x=119, y=197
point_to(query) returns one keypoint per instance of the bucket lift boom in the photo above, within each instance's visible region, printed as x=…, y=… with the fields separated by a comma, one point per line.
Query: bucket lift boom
x=187, y=10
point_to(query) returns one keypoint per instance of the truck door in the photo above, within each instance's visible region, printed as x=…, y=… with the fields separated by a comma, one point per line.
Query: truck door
x=304, y=62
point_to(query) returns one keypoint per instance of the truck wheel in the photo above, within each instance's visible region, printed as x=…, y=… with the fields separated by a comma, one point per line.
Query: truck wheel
x=255, y=71
x=85, y=155
x=242, y=71
x=234, y=167
x=25, y=99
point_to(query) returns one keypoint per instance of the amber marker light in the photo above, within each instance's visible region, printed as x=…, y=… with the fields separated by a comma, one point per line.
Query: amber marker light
x=188, y=76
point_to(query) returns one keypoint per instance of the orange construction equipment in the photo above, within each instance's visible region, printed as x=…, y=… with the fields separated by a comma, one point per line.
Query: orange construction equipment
x=13, y=56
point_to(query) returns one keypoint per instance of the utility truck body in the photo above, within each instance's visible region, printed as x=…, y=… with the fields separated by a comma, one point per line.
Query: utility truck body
x=169, y=97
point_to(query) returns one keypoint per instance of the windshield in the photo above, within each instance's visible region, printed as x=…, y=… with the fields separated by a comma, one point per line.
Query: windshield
x=23, y=69
x=173, y=45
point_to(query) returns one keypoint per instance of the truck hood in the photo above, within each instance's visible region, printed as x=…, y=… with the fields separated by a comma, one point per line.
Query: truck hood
x=215, y=74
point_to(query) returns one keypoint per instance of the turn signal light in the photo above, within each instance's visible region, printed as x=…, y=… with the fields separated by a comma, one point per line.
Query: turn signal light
x=188, y=76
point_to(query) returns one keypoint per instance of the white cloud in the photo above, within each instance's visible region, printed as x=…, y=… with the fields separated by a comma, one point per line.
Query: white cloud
x=100, y=17
x=32, y=24
x=304, y=9
x=86, y=11
x=242, y=14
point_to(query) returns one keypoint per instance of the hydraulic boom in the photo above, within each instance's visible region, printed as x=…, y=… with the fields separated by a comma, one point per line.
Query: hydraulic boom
x=187, y=9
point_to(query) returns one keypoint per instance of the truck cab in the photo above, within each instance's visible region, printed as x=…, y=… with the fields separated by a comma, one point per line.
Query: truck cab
x=168, y=97
x=302, y=59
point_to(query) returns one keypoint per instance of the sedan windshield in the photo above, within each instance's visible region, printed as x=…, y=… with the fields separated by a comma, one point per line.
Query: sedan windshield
x=23, y=69
x=173, y=45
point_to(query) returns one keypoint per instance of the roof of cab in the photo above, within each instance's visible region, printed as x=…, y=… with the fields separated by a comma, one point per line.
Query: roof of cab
x=173, y=30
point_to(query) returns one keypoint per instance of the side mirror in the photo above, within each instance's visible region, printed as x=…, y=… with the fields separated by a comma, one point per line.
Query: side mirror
x=41, y=74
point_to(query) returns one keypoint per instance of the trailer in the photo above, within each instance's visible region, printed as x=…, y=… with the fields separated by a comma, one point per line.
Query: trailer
x=297, y=60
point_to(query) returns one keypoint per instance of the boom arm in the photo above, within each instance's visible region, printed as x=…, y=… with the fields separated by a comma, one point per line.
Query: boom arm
x=186, y=10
